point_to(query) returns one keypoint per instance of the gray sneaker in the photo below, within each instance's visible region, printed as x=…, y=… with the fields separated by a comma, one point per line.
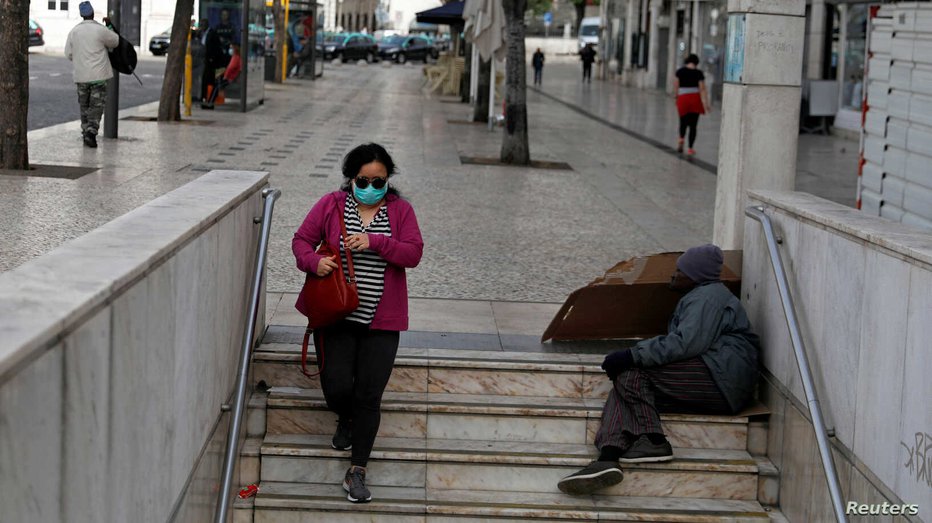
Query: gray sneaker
x=343, y=437
x=643, y=451
x=355, y=485
x=597, y=475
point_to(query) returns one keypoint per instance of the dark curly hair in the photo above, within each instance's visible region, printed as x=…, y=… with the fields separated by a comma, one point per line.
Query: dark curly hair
x=362, y=155
x=692, y=59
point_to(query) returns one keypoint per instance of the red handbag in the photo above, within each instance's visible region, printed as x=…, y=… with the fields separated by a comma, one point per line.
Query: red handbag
x=328, y=299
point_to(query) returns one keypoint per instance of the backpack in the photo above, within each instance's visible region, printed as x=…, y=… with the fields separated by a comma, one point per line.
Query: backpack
x=123, y=56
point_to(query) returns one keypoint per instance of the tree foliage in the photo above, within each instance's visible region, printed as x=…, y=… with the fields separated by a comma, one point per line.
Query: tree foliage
x=14, y=83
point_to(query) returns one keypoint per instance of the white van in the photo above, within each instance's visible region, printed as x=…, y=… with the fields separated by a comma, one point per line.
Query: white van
x=589, y=31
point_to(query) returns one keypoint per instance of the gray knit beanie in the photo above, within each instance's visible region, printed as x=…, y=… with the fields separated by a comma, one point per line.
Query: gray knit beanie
x=702, y=264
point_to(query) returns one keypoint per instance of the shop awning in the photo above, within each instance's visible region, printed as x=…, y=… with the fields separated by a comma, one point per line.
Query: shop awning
x=450, y=13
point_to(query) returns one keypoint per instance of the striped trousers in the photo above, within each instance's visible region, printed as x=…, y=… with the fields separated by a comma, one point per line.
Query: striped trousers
x=634, y=404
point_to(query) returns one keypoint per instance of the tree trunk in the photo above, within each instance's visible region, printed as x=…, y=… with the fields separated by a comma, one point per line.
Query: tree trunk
x=278, y=13
x=481, y=111
x=580, y=13
x=170, y=99
x=14, y=83
x=515, y=148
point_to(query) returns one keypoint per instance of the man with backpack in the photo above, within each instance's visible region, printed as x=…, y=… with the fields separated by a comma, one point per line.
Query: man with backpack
x=87, y=46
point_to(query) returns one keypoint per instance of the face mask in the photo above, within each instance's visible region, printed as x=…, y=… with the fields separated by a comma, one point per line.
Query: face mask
x=370, y=195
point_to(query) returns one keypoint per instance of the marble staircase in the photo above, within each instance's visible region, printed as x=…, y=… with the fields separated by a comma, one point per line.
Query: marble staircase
x=469, y=435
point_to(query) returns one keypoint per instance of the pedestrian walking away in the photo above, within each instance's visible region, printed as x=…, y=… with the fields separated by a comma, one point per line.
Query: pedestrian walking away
x=587, y=55
x=87, y=46
x=705, y=364
x=537, y=61
x=692, y=100
x=356, y=355
x=230, y=74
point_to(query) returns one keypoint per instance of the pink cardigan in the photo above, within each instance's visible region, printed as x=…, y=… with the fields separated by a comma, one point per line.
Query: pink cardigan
x=401, y=250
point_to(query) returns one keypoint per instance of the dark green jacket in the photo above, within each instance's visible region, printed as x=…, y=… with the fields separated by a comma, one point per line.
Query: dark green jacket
x=709, y=322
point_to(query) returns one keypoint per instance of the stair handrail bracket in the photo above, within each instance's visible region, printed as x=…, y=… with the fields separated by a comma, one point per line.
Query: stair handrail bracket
x=802, y=361
x=238, y=403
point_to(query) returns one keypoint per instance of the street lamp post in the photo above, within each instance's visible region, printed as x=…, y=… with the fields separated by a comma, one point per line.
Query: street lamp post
x=112, y=109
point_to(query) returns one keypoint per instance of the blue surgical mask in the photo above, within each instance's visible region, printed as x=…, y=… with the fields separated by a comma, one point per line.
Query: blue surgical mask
x=370, y=195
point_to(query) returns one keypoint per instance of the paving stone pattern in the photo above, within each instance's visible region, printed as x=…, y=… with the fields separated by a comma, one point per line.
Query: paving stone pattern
x=491, y=232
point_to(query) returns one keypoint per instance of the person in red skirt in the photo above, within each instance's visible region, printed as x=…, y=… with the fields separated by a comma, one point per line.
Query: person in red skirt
x=692, y=99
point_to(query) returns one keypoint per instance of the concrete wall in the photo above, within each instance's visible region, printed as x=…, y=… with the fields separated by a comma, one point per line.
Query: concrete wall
x=863, y=292
x=117, y=350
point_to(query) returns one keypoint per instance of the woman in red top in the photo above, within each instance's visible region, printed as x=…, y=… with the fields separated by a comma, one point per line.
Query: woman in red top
x=358, y=352
x=691, y=101
x=230, y=74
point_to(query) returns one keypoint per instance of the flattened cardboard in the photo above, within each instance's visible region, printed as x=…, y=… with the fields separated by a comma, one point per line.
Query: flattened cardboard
x=631, y=301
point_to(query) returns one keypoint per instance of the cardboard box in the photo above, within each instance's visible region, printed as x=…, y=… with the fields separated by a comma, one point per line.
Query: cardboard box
x=632, y=300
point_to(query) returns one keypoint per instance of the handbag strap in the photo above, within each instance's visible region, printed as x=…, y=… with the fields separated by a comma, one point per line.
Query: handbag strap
x=349, y=255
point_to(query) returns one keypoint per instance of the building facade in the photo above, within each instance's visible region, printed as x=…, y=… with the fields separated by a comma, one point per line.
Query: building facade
x=58, y=17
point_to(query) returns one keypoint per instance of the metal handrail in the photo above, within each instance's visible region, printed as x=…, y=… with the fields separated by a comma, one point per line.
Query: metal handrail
x=815, y=410
x=239, y=398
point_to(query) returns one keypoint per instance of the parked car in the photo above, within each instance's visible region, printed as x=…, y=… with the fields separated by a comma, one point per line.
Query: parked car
x=400, y=48
x=158, y=44
x=352, y=46
x=35, y=34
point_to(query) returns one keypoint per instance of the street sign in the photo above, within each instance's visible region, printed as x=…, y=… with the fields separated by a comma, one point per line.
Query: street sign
x=548, y=18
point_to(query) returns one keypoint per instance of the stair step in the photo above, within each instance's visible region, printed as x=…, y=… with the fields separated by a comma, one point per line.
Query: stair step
x=308, y=502
x=493, y=417
x=458, y=372
x=505, y=466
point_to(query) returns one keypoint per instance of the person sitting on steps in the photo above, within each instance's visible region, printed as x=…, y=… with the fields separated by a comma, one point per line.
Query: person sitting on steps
x=706, y=363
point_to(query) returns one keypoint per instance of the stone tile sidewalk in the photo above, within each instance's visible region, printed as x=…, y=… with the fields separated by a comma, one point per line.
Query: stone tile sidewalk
x=492, y=233
x=826, y=165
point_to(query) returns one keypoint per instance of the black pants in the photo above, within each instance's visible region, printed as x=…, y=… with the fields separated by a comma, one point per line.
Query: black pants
x=538, y=73
x=689, y=121
x=633, y=406
x=587, y=71
x=357, y=363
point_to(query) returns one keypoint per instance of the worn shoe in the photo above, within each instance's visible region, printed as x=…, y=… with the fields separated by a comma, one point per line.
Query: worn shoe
x=643, y=451
x=355, y=485
x=679, y=145
x=343, y=437
x=690, y=153
x=597, y=475
x=90, y=140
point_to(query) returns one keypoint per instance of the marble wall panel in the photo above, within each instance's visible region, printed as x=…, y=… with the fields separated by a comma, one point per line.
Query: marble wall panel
x=31, y=435
x=200, y=499
x=323, y=422
x=760, y=298
x=332, y=471
x=798, y=471
x=820, y=501
x=834, y=357
x=806, y=259
x=914, y=477
x=513, y=428
x=87, y=406
x=880, y=369
x=264, y=515
x=505, y=383
x=861, y=490
x=777, y=404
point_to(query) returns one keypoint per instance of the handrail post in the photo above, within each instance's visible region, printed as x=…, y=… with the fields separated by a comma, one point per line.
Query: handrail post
x=239, y=397
x=802, y=361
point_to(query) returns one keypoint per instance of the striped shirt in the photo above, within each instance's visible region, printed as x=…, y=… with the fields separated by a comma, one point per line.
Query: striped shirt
x=369, y=266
